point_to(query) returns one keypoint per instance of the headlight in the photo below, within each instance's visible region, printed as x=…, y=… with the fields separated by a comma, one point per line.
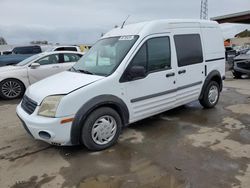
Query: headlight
x=49, y=106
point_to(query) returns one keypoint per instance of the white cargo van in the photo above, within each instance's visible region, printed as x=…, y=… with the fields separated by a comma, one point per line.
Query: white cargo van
x=130, y=74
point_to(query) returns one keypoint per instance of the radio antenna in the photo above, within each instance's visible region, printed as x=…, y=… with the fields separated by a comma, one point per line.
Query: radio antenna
x=125, y=21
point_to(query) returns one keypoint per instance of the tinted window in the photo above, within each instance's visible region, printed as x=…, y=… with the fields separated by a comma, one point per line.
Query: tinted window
x=51, y=59
x=37, y=50
x=27, y=50
x=70, y=49
x=154, y=54
x=140, y=58
x=158, y=53
x=189, y=49
x=66, y=49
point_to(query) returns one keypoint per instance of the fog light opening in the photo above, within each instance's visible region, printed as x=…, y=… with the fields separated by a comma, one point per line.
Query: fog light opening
x=44, y=135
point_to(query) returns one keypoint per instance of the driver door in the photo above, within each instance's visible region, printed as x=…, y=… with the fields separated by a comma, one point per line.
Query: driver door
x=49, y=65
x=156, y=91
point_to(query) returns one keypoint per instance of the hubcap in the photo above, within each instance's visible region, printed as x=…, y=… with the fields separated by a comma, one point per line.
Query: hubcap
x=104, y=130
x=213, y=94
x=11, y=89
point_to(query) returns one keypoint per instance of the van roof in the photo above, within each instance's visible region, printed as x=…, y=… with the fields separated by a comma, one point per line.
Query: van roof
x=158, y=26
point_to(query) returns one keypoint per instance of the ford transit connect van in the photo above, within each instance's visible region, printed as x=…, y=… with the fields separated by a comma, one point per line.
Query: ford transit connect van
x=130, y=74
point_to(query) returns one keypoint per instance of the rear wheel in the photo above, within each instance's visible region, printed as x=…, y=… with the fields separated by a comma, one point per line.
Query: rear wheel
x=211, y=95
x=101, y=129
x=11, y=89
x=236, y=74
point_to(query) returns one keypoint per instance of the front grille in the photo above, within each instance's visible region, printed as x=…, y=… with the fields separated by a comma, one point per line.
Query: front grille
x=28, y=105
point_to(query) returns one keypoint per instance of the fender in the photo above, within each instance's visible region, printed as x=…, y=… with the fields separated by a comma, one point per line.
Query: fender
x=101, y=100
x=214, y=75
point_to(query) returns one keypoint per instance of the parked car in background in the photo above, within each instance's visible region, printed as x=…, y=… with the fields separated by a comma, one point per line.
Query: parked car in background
x=85, y=48
x=241, y=64
x=5, y=52
x=66, y=48
x=12, y=59
x=19, y=54
x=15, y=79
x=131, y=73
x=27, y=50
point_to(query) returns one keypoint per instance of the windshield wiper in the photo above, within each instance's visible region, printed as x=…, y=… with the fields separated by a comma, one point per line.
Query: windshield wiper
x=84, y=71
x=81, y=71
x=72, y=69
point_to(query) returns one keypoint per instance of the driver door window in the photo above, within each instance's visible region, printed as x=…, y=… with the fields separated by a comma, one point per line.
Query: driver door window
x=48, y=60
x=154, y=55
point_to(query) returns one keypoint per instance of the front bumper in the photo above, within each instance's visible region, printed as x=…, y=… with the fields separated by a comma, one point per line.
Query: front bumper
x=46, y=129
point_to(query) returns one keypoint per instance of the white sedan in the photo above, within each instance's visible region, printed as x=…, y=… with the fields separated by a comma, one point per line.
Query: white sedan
x=15, y=79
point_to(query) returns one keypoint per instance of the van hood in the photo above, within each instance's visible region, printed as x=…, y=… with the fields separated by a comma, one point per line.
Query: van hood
x=60, y=84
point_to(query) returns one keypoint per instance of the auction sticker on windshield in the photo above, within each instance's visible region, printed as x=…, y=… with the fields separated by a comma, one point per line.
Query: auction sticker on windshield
x=126, y=38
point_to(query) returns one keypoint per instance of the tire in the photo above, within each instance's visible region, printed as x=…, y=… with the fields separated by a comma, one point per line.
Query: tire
x=213, y=90
x=93, y=129
x=11, y=89
x=236, y=74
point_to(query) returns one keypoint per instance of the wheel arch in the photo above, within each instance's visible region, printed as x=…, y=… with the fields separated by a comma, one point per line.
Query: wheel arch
x=212, y=76
x=100, y=101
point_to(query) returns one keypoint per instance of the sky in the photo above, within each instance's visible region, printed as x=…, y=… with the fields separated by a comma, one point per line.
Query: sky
x=83, y=21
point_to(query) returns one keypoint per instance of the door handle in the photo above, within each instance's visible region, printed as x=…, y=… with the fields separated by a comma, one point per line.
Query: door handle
x=170, y=74
x=182, y=71
x=55, y=67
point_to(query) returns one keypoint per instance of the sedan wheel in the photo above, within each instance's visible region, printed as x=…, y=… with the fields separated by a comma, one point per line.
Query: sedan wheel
x=11, y=89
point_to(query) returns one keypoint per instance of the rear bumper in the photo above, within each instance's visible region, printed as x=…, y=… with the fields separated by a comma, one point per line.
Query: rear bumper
x=46, y=129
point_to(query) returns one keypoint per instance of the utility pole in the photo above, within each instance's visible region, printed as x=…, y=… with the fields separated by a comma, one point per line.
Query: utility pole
x=204, y=10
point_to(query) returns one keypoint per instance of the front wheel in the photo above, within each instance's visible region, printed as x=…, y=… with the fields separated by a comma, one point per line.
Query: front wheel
x=211, y=95
x=11, y=89
x=101, y=129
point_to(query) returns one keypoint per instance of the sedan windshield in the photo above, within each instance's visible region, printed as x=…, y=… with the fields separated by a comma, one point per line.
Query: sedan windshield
x=29, y=59
x=105, y=56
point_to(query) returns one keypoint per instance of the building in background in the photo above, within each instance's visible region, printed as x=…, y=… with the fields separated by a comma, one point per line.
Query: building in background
x=242, y=39
x=240, y=17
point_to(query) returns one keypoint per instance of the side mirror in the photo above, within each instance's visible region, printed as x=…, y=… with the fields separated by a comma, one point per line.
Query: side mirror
x=136, y=72
x=34, y=65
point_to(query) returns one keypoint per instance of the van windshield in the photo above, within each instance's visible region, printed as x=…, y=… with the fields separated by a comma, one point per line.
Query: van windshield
x=105, y=56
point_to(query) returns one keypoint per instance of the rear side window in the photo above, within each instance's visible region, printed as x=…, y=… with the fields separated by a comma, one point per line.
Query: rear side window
x=188, y=49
